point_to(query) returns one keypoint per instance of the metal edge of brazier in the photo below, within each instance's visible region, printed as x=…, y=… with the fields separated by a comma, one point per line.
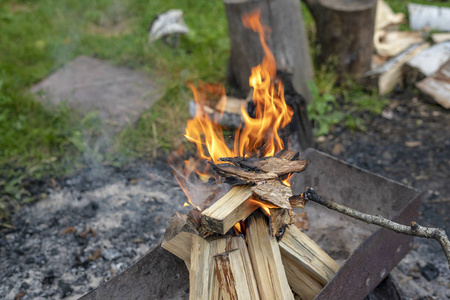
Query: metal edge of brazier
x=372, y=261
x=161, y=275
x=157, y=275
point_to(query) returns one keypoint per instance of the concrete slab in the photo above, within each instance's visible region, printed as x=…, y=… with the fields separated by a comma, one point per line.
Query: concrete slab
x=119, y=94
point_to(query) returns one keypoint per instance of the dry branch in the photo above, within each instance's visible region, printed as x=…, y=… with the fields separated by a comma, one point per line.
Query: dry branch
x=414, y=230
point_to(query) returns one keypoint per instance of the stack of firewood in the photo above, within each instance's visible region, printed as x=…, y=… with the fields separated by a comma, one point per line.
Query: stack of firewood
x=244, y=244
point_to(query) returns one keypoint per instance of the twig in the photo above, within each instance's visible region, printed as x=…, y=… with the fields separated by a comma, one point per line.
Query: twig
x=415, y=229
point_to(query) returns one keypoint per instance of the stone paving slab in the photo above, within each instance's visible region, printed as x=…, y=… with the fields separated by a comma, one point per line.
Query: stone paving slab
x=119, y=94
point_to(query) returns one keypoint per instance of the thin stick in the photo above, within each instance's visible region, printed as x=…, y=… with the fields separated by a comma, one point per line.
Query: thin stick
x=415, y=229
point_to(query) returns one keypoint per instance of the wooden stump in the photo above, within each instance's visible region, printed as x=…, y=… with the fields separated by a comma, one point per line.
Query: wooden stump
x=287, y=41
x=344, y=32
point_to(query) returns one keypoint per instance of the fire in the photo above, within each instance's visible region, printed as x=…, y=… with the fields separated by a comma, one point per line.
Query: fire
x=265, y=206
x=286, y=181
x=258, y=136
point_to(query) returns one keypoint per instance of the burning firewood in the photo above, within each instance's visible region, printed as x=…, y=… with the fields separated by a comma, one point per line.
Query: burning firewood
x=203, y=282
x=268, y=165
x=276, y=256
x=266, y=259
x=235, y=273
x=228, y=210
x=230, y=170
x=231, y=241
x=305, y=254
x=274, y=192
x=178, y=238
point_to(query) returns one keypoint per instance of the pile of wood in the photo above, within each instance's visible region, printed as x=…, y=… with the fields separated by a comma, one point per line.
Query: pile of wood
x=244, y=244
x=405, y=58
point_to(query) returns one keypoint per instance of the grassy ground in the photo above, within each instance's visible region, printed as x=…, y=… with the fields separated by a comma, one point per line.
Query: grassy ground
x=38, y=37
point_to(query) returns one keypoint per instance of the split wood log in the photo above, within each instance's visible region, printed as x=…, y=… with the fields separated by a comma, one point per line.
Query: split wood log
x=194, y=221
x=203, y=283
x=274, y=192
x=392, y=43
x=287, y=41
x=228, y=210
x=239, y=243
x=440, y=37
x=234, y=272
x=385, y=16
x=305, y=254
x=279, y=219
x=385, y=77
x=266, y=260
x=437, y=86
x=344, y=31
x=178, y=238
x=428, y=16
x=305, y=286
x=426, y=63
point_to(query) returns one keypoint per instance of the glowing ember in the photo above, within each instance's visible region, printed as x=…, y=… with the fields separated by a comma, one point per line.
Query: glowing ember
x=258, y=136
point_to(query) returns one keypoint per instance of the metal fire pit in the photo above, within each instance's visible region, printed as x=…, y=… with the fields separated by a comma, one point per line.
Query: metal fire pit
x=366, y=252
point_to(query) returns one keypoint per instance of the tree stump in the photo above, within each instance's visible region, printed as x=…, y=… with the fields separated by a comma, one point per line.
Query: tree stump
x=287, y=41
x=344, y=30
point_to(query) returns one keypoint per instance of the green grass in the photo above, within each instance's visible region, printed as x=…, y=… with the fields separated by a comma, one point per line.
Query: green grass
x=38, y=37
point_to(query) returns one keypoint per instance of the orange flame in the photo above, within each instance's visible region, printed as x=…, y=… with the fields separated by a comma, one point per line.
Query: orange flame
x=286, y=181
x=259, y=135
x=265, y=206
x=271, y=113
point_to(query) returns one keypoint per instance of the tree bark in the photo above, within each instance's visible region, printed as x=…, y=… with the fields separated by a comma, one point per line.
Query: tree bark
x=344, y=30
x=287, y=41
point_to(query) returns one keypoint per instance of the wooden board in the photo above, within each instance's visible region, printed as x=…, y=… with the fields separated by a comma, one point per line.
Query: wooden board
x=426, y=62
x=437, y=86
x=428, y=17
x=385, y=77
